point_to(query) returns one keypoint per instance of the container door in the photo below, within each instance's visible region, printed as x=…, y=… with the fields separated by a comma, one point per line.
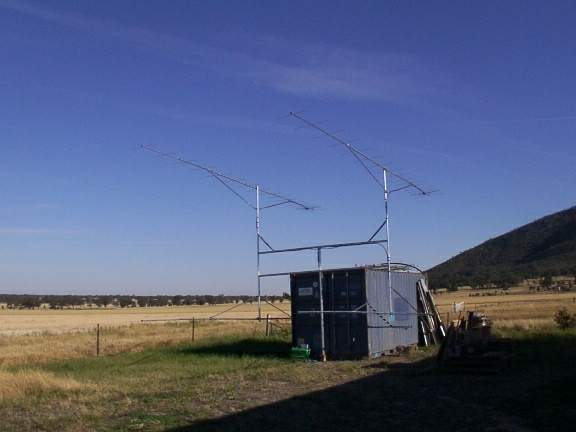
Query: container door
x=306, y=297
x=340, y=323
x=346, y=332
x=357, y=322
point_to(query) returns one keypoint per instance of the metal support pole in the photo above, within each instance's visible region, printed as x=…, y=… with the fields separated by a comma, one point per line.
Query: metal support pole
x=388, y=257
x=97, y=340
x=258, y=249
x=320, y=287
x=193, y=329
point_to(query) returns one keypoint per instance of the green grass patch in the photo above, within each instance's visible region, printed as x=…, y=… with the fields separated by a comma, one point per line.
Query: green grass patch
x=239, y=383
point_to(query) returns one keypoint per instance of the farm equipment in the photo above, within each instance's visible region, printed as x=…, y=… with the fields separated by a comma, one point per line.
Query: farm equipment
x=469, y=346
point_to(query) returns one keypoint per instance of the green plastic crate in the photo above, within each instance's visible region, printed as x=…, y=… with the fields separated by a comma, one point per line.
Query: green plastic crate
x=302, y=353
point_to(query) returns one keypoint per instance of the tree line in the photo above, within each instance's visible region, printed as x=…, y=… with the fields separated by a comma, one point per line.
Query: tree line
x=53, y=301
x=481, y=278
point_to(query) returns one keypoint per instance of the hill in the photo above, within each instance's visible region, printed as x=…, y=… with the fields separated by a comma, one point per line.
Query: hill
x=545, y=247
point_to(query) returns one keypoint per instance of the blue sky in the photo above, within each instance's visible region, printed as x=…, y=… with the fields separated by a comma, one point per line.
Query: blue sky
x=475, y=99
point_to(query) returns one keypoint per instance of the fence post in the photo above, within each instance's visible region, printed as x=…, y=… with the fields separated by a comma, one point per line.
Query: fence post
x=97, y=340
x=193, y=329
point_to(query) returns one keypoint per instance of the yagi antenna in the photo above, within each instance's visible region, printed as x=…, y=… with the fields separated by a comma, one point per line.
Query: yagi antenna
x=226, y=179
x=366, y=160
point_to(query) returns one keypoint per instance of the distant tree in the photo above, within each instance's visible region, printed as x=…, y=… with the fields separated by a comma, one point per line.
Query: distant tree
x=124, y=301
x=30, y=302
x=452, y=285
x=564, y=319
x=103, y=301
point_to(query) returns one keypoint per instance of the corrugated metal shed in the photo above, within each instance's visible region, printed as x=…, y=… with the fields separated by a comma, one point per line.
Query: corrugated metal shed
x=355, y=335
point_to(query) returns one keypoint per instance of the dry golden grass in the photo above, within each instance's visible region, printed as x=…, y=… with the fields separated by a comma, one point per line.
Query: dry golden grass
x=219, y=375
x=25, y=383
x=514, y=295
x=33, y=349
x=122, y=330
x=519, y=309
x=21, y=322
x=524, y=324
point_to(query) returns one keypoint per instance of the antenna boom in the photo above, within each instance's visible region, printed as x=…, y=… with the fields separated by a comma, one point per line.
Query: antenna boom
x=359, y=155
x=223, y=178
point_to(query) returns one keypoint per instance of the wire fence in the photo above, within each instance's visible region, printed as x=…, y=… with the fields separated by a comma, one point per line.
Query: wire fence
x=104, y=340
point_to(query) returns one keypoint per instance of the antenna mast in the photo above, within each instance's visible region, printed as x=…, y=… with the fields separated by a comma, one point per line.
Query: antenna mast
x=367, y=162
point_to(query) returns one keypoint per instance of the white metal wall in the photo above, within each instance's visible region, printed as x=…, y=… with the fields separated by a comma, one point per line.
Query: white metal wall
x=382, y=338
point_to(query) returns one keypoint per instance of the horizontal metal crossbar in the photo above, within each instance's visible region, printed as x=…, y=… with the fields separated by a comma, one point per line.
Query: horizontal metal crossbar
x=362, y=312
x=217, y=319
x=325, y=246
x=274, y=274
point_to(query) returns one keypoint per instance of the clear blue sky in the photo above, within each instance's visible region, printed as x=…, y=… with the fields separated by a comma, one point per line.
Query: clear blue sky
x=476, y=99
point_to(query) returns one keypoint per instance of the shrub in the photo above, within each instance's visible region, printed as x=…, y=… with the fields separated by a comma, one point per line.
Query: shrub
x=565, y=320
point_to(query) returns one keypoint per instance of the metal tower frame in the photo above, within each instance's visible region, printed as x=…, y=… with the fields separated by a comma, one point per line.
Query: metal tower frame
x=366, y=162
x=406, y=184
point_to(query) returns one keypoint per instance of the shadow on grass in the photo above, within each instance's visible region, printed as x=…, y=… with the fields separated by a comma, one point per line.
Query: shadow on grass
x=255, y=347
x=412, y=397
x=402, y=398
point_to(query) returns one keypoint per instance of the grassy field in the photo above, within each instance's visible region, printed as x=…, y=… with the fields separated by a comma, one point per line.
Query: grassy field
x=247, y=383
x=153, y=377
x=519, y=309
x=38, y=336
x=24, y=322
x=35, y=349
